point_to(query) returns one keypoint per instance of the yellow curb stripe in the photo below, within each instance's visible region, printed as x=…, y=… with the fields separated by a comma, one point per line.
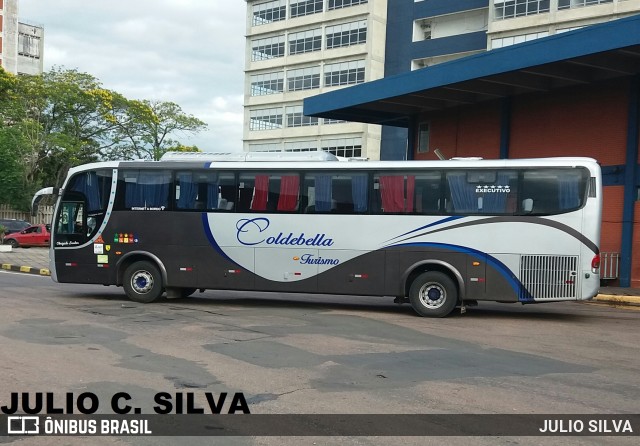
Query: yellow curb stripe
x=6, y=266
x=25, y=269
x=615, y=298
x=44, y=272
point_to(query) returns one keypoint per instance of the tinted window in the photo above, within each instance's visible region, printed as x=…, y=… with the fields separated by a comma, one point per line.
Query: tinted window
x=268, y=192
x=83, y=207
x=414, y=193
x=144, y=190
x=551, y=191
x=336, y=192
x=484, y=191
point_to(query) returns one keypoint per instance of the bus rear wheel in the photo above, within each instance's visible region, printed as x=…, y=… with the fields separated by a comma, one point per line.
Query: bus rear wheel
x=143, y=282
x=433, y=294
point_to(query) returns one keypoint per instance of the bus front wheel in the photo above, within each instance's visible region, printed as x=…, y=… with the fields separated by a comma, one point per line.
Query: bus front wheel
x=143, y=282
x=433, y=294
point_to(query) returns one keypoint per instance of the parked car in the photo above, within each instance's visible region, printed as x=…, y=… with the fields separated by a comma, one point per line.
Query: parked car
x=13, y=225
x=37, y=235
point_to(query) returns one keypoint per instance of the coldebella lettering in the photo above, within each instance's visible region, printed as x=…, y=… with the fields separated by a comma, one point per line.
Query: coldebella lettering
x=250, y=232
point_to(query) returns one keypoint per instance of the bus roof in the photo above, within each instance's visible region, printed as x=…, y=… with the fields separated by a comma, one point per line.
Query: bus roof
x=297, y=161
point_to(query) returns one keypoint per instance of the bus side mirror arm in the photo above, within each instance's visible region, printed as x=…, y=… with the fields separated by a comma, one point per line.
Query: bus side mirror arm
x=35, y=202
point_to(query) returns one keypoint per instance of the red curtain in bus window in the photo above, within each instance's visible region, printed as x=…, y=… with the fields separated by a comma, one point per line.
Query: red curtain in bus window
x=260, y=193
x=392, y=191
x=289, y=187
x=411, y=188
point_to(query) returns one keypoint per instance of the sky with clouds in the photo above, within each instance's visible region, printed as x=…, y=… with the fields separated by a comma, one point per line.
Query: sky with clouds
x=190, y=52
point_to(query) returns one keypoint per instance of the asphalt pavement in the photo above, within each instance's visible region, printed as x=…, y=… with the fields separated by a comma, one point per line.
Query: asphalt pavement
x=36, y=261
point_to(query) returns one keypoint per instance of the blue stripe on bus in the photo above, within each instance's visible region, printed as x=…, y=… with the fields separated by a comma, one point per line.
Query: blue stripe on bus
x=439, y=222
x=522, y=293
x=212, y=240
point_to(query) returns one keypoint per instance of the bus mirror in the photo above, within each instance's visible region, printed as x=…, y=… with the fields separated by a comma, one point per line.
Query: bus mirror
x=35, y=202
x=527, y=205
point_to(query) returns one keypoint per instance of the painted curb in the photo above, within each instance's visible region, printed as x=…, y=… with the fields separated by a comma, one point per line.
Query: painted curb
x=618, y=299
x=26, y=269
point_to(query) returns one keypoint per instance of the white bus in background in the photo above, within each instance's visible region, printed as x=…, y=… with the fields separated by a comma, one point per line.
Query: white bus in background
x=437, y=234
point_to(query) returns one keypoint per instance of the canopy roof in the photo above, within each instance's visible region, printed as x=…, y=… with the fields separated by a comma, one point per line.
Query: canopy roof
x=588, y=55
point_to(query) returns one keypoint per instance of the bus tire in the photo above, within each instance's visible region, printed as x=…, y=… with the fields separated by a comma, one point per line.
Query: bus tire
x=433, y=294
x=143, y=282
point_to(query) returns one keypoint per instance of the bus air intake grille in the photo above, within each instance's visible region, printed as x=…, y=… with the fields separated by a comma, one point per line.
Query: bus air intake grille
x=548, y=277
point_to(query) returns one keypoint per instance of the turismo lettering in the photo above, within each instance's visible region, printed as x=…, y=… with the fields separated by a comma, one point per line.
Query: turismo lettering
x=310, y=259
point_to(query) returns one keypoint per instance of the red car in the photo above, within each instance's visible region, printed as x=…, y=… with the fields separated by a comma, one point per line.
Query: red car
x=37, y=235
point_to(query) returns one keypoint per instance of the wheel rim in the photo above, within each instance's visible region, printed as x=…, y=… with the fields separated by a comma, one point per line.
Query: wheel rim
x=432, y=295
x=142, y=282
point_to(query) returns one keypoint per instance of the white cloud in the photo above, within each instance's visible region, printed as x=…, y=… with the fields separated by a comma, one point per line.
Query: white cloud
x=190, y=52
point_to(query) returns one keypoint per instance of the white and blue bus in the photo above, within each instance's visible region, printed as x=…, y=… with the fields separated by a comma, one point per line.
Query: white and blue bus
x=437, y=234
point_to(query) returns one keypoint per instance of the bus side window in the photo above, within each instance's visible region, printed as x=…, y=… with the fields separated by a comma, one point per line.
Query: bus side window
x=196, y=190
x=336, y=193
x=144, y=190
x=428, y=193
x=417, y=193
x=270, y=192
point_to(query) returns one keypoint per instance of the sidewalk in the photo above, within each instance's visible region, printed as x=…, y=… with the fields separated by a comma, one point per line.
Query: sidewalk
x=36, y=261
x=26, y=260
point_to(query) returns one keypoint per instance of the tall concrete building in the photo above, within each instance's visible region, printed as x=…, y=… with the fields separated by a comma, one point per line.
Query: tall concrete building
x=299, y=48
x=21, y=43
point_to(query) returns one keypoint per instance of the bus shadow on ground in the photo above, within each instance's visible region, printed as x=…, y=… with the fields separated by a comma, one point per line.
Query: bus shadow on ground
x=369, y=304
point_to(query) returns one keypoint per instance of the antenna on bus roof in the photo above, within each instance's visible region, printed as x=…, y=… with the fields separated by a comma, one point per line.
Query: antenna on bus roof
x=248, y=156
x=439, y=154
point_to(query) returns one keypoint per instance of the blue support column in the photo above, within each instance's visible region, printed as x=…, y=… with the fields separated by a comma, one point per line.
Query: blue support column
x=630, y=182
x=411, y=138
x=505, y=127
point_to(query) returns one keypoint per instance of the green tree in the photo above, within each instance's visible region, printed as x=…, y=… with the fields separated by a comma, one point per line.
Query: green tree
x=14, y=189
x=146, y=129
x=64, y=118
x=59, y=123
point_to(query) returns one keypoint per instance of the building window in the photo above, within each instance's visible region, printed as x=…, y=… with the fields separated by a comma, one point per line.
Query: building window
x=265, y=147
x=274, y=11
x=305, y=7
x=346, y=147
x=263, y=49
x=303, y=79
x=305, y=41
x=301, y=146
x=344, y=73
x=29, y=45
x=328, y=121
x=337, y=4
x=266, y=119
x=423, y=137
x=508, y=41
x=566, y=4
x=295, y=118
x=268, y=83
x=506, y=9
x=346, y=34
